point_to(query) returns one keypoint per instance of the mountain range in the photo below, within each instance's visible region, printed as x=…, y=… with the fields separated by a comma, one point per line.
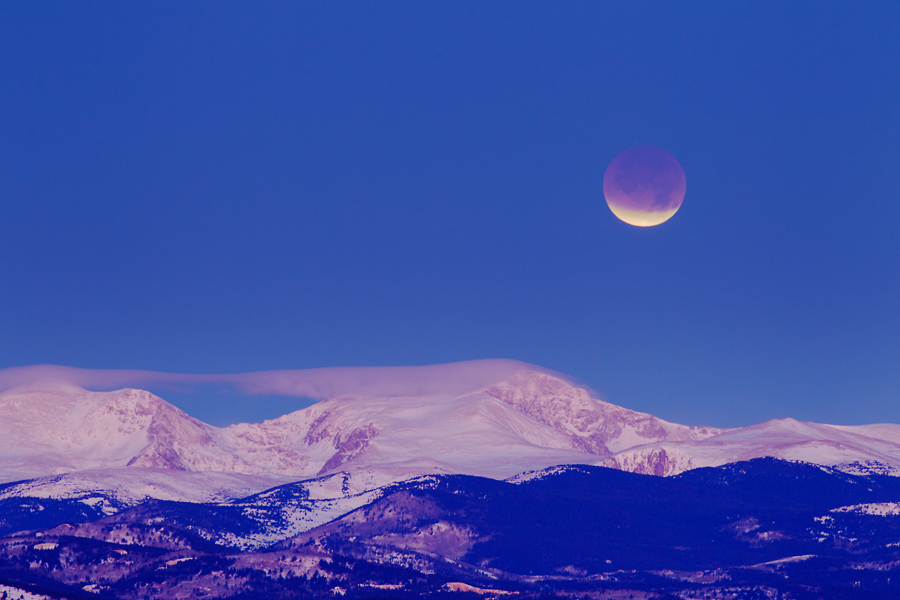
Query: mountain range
x=529, y=480
x=758, y=529
x=527, y=421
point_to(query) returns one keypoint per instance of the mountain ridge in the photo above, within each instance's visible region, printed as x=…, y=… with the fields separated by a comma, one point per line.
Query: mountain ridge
x=526, y=421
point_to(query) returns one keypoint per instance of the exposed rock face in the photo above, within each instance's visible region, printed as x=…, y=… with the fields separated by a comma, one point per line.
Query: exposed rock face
x=349, y=447
x=158, y=455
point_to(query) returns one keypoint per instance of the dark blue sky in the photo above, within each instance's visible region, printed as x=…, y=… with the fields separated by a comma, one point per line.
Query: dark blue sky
x=222, y=187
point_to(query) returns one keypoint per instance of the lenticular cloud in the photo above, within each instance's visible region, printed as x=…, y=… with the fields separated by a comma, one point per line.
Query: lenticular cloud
x=450, y=378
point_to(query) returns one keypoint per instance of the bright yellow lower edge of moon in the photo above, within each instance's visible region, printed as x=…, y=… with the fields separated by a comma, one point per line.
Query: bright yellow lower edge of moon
x=641, y=218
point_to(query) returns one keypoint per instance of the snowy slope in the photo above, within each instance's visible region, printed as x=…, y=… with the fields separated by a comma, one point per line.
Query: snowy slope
x=127, y=486
x=863, y=449
x=59, y=429
x=590, y=424
x=134, y=445
x=529, y=421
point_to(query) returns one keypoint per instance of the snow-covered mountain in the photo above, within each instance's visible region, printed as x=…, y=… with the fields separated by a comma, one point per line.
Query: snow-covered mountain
x=529, y=421
x=138, y=445
x=57, y=429
x=861, y=449
x=368, y=480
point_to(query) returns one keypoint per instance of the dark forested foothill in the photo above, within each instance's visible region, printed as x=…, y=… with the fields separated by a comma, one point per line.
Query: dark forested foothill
x=759, y=529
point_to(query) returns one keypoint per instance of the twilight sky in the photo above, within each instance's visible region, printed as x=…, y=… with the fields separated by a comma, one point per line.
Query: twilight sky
x=230, y=187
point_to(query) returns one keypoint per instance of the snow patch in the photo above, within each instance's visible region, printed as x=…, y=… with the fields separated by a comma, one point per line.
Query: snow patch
x=879, y=509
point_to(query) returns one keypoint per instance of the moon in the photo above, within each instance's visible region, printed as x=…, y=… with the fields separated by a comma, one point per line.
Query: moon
x=644, y=186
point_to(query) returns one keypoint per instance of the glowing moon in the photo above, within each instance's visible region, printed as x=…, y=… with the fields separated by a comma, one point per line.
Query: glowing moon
x=644, y=186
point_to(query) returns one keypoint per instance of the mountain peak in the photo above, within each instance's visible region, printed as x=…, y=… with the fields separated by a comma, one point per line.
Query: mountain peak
x=593, y=425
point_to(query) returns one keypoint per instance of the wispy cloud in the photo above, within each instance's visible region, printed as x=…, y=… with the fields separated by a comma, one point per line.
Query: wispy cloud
x=450, y=378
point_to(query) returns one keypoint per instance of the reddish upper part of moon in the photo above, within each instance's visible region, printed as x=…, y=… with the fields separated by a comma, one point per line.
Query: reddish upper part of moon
x=644, y=186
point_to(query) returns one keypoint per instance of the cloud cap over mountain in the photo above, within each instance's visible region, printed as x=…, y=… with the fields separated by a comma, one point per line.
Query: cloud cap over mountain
x=320, y=384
